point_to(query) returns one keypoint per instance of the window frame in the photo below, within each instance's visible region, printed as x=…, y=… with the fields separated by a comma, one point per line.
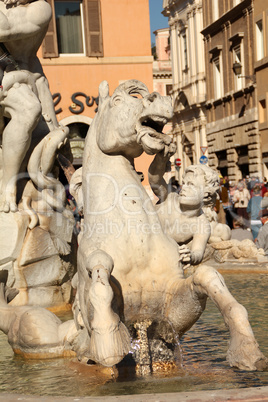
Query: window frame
x=184, y=48
x=83, y=34
x=217, y=76
x=260, y=51
x=262, y=111
x=91, y=23
x=239, y=80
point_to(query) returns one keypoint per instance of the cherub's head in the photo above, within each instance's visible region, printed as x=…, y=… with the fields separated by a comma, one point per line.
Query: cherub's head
x=200, y=185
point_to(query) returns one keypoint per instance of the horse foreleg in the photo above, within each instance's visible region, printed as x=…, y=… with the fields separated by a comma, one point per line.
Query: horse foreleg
x=110, y=340
x=243, y=351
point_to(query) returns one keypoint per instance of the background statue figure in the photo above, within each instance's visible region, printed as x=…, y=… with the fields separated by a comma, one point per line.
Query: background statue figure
x=38, y=228
x=27, y=111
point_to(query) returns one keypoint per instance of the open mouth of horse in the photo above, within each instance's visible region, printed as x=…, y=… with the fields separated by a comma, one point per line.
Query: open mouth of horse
x=150, y=135
x=157, y=124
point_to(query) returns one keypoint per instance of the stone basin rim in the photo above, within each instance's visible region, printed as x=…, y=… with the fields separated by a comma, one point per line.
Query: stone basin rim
x=219, y=395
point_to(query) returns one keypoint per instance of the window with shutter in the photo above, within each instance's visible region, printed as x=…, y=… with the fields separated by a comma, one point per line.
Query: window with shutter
x=75, y=29
x=50, y=45
x=93, y=29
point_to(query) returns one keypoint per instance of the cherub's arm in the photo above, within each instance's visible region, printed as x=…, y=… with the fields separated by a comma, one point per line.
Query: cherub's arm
x=20, y=22
x=192, y=253
x=200, y=240
x=157, y=170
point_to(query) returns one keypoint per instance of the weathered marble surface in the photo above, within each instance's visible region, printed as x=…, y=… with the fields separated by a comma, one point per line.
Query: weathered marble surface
x=189, y=216
x=129, y=269
x=36, y=227
x=130, y=276
x=244, y=250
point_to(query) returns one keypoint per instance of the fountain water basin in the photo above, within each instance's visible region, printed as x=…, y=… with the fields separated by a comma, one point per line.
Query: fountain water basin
x=204, y=365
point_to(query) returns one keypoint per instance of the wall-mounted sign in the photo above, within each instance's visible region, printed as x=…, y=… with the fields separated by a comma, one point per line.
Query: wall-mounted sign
x=78, y=103
x=178, y=162
x=203, y=160
x=203, y=150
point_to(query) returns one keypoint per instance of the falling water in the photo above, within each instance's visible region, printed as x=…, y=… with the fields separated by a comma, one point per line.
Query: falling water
x=178, y=355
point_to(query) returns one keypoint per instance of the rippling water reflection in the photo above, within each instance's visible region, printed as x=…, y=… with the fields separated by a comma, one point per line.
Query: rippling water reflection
x=204, y=349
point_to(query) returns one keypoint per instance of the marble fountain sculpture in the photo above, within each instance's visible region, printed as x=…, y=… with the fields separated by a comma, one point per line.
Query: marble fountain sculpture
x=36, y=228
x=130, y=283
x=130, y=262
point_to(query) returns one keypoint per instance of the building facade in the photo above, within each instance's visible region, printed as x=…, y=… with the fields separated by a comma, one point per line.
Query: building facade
x=89, y=41
x=162, y=69
x=234, y=144
x=188, y=70
x=261, y=71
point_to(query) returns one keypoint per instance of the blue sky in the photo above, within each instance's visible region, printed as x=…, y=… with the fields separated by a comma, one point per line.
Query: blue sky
x=157, y=20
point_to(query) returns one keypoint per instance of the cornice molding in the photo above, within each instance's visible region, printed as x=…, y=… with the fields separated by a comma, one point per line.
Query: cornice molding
x=230, y=16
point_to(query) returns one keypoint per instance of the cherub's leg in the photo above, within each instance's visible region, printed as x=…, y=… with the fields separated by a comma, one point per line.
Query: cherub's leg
x=23, y=108
x=243, y=351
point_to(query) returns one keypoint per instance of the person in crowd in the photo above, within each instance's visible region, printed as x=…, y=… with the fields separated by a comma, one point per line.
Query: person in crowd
x=241, y=197
x=223, y=202
x=76, y=213
x=239, y=231
x=247, y=181
x=251, y=182
x=226, y=182
x=263, y=188
x=232, y=188
x=262, y=238
x=253, y=209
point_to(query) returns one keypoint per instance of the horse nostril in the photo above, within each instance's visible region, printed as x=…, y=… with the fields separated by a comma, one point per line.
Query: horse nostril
x=152, y=97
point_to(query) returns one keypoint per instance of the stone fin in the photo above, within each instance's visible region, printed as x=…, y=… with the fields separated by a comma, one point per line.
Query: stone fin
x=110, y=347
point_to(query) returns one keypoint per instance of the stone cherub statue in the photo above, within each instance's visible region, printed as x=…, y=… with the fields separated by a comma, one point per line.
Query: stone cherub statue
x=186, y=217
x=122, y=229
x=37, y=226
x=181, y=214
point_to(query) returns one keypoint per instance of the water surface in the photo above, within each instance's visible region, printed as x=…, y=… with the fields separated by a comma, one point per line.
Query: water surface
x=203, y=348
